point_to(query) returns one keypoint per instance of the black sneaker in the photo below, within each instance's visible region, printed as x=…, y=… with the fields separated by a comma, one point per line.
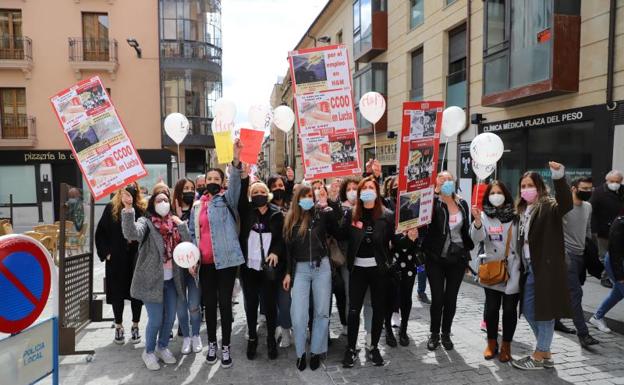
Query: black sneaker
x=211, y=357
x=422, y=297
x=433, y=342
x=272, y=348
x=120, y=339
x=301, y=362
x=390, y=339
x=403, y=339
x=606, y=282
x=560, y=327
x=315, y=361
x=446, y=342
x=136, y=336
x=376, y=357
x=226, y=359
x=252, y=346
x=587, y=341
x=349, y=358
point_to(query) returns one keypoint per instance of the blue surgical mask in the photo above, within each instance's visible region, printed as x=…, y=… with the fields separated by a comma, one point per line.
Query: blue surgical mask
x=306, y=203
x=448, y=188
x=368, y=195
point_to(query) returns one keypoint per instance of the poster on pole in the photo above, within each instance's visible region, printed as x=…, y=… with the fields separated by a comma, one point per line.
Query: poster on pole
x=105, y=154
x=325, y=112
x=420, y=140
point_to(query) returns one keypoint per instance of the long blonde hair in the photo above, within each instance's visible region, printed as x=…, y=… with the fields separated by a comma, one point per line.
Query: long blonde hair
x=140, y=203
x=296, y=216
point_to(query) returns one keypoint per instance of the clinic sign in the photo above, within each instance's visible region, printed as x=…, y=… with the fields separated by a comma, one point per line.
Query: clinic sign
x=552, y=119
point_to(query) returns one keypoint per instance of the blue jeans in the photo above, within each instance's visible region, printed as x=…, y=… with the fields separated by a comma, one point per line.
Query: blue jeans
x=319, y=279
x=160, y=318
x=191, y=304
x=616, y=294
x=422, y=281
x=543, y=330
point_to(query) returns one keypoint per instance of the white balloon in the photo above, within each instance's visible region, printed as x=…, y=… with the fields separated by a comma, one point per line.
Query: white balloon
x=284, y=118
x=225, y=110
x=176, y=126
x=487, y=148
x=186, y=255
x=483, y=171
x=260, y=116
x=453, y=121
x=218, y=125
x=372, y=106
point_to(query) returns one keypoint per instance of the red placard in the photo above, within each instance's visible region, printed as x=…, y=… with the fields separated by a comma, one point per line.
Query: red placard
x=252, y=143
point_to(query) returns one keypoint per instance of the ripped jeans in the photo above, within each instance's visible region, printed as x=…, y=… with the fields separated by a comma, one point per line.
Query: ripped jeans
x=189, y=305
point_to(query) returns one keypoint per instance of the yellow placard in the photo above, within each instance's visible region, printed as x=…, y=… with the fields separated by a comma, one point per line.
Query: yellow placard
x=224, y=146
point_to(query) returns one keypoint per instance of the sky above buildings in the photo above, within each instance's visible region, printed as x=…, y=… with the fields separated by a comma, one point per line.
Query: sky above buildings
x=257, y=35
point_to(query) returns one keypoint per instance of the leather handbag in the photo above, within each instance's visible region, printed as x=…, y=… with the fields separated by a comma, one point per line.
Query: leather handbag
x=495, y=272
x=336, y=255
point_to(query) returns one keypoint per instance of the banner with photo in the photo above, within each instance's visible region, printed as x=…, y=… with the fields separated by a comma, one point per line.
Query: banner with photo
x=420, y=140
x=325, y=112
x=101, y=146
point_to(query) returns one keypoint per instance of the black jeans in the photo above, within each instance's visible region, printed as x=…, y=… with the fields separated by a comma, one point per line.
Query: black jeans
x=338, y=287
x=217, y=287
x=257, y=289
x=361, y=279
x=392, y=301
x=494, y=298
x=118, y=308
x=405, y=290
x=444, y=282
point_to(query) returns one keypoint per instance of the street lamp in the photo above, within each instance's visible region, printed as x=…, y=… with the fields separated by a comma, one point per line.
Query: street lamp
x=132, y=42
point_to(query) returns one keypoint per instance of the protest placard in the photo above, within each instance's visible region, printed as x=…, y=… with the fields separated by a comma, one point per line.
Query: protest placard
x=251, y=140
x=420, y=139
x=325, y=112
x=101, y=146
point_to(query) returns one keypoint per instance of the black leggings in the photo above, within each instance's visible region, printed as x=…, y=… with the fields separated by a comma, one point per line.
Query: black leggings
x=494, y=299
x=393, y=300
x=406, y=287
x=338, y=287
x=444, y=282
x=361, y=279
x=217, y=287
x=118, y=309
x=257, y=289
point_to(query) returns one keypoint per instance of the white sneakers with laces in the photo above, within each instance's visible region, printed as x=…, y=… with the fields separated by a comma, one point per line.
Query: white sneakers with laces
x=600, y=324
x=186, y=346
x=197, y=344
x=165, y=355
x=150, y=360
x=285, y=340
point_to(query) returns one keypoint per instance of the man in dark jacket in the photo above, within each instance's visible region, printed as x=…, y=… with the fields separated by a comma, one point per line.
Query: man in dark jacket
x=607, y=203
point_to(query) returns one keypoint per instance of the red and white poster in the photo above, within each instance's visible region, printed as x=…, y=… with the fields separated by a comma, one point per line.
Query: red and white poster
x=98, y=139
x=325, y=112
x=420, y=140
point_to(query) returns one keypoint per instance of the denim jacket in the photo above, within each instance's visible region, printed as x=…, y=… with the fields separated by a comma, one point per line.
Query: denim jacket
x=223, y=228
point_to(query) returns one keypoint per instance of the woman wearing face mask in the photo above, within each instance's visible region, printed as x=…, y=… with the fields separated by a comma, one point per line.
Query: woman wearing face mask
x=497, y=227
x=370, y=231
x=120, y=256
x=214, y=228
x=157, y=279
x=447, y=248
x=262, y=243
x=545, y=294
x=183, y=198
x=305, y=229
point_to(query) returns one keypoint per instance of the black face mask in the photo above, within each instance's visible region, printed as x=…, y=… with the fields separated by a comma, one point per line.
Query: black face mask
x=201, y=190
x=133, y=191
x=259, y=200
x=584, y=195
x=279, y=194
x=188, y=197
x=213, y=188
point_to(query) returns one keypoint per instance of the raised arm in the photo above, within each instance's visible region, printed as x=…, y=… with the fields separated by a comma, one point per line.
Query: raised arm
x=132, y=230
x=232, y=194
x=563, y=194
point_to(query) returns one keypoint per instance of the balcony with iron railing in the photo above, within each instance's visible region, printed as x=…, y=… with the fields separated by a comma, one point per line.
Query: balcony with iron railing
x=17, y=131
x=16, y=53
x=191, y=55
x=90, y=54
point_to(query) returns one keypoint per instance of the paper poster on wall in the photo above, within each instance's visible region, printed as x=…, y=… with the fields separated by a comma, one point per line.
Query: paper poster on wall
x=100, y=144
x=325, y=112
x=420, y=139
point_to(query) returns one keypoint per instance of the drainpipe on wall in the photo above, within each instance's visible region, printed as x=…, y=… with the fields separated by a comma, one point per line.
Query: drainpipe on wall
x=468, y=57
x=611, y=105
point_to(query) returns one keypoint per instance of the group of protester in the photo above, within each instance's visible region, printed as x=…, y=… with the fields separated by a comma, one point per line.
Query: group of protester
x=295, y=246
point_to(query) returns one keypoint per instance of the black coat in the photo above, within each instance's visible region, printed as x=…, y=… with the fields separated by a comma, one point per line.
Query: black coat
x=616, y=248
x=606, y=206
x=383, y=236
x=109, y=240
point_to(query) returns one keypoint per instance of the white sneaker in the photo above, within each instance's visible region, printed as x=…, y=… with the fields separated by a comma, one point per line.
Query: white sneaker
x=396, y=320
x=165, y=355
x=369, y=341
x=345, y=330
x=150, y=360
x=600, y=324
x=186, y=346
x=285, y=342
x=261, y=320
x=197, y=344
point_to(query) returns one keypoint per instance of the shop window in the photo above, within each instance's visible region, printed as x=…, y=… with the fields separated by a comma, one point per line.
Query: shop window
x=370, y=25
x=95, y=43
x=416, y=92
x=373, y=77
x=155, y=173
x=417, y=13
x=13, y=118
x=456, y=79
x=19, y=181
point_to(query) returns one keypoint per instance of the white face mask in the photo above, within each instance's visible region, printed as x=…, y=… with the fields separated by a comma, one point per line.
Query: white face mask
x=496, y=199
x=352, y=196
x=613, y=186
x=162, y=208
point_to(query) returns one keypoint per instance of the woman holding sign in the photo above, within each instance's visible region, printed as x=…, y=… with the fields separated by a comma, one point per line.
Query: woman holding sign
x=447, y=248
x=214, y=228
x=157, y=280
